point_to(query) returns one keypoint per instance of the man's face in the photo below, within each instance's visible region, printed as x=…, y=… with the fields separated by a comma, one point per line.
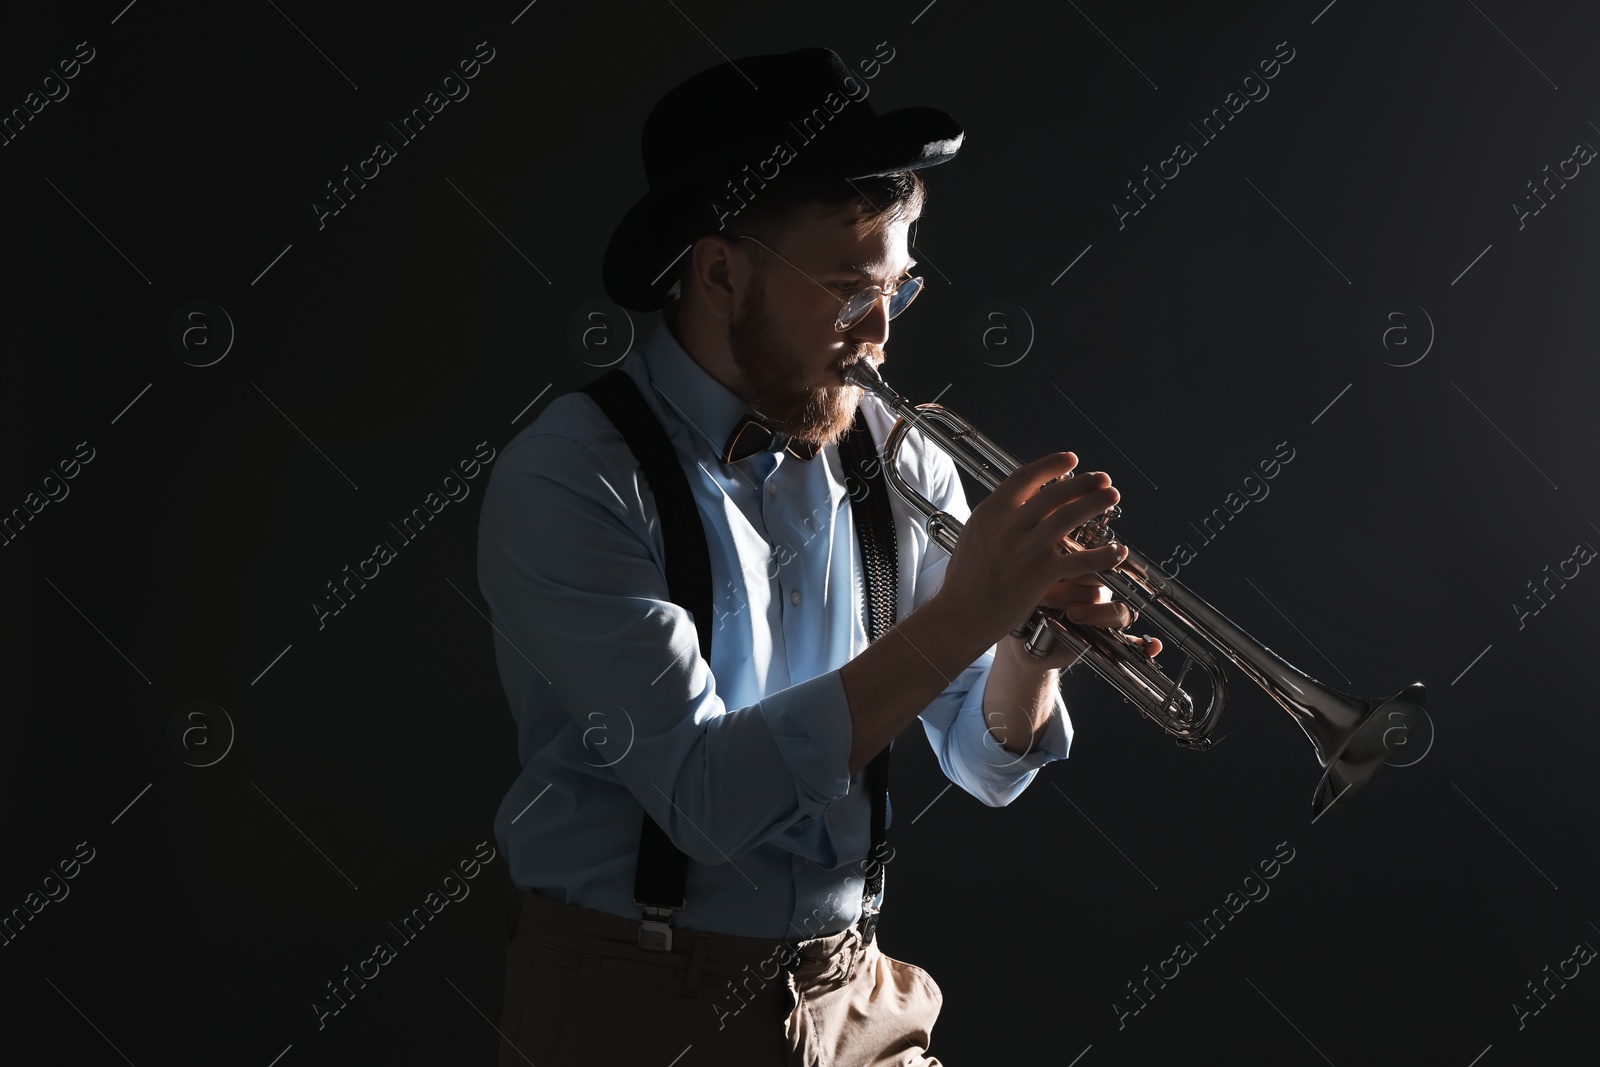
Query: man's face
x=782, y=337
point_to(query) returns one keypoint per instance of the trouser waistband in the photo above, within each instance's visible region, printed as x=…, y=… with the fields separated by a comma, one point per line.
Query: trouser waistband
x=584, y=932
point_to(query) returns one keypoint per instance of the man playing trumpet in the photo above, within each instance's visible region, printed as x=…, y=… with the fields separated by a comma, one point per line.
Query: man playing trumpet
x=697, y=841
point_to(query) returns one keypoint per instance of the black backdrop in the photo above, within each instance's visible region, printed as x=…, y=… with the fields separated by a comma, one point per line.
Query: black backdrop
x=1342, y=271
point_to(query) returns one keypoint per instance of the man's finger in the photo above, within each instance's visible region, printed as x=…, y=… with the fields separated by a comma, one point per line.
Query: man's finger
x=1024, y=483
x=1109, y=616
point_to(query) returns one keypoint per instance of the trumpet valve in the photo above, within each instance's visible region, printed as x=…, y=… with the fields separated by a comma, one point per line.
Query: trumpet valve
x=1036, y=635
x=1096, y=533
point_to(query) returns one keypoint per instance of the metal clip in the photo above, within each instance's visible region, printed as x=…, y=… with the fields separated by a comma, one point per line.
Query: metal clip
x=655, y=929
x=868, y=924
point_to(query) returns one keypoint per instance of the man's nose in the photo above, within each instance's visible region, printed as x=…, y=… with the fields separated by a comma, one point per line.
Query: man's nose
x=873, y=327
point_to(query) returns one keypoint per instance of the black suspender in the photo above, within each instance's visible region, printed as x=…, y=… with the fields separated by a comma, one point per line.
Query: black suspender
x=874, y=522
x=663, y=869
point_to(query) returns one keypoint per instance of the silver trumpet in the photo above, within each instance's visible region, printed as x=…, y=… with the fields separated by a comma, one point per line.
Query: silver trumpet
x=1353, y=737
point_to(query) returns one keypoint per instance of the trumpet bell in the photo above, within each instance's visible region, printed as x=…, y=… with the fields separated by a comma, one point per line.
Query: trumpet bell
x=1365, y=750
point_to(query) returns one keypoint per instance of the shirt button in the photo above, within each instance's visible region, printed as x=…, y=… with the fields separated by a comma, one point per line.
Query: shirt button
x=794, y=596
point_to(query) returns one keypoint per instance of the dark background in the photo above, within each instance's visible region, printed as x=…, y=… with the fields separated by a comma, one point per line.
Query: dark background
x=437, y=310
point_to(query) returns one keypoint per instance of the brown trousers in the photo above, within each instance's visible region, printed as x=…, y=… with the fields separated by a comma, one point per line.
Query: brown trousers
x=580, y=990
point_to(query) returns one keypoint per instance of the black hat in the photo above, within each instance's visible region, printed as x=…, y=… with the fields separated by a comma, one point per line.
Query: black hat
x=714, y=142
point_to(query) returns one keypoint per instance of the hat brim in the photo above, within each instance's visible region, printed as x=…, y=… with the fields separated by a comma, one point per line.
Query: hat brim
x=649, y=243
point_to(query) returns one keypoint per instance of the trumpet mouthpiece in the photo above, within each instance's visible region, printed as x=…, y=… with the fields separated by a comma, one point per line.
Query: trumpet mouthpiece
x=864, y=374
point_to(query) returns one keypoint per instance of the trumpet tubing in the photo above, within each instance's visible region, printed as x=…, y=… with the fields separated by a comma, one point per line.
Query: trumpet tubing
x=1350, y=735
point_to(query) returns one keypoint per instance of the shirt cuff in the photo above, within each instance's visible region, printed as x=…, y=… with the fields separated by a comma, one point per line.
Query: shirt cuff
x=811, y=725
x=998, y=774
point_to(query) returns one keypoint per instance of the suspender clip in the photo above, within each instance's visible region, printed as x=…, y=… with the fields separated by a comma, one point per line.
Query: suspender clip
x=868, y=923
x=655, y=929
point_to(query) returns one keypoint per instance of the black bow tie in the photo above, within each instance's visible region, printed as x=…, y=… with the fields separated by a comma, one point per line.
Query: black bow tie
x=752, y=436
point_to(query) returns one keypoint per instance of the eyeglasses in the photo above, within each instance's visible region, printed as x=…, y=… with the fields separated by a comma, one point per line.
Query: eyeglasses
x=854, y=308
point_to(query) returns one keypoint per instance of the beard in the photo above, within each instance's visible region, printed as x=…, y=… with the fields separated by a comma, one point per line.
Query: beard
x=776, y=376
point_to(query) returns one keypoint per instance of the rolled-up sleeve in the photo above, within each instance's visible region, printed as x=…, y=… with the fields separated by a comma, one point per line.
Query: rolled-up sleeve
x=967, y=751
x=974, y=760
x=579, y=602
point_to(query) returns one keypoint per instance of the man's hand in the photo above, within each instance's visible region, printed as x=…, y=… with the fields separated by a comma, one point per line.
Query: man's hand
x=1011, y=549
x=1008, y=554
x=1088, y=603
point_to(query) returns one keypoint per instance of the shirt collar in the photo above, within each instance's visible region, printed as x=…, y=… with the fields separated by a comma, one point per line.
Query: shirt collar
x=708, y=412
x=693, y=396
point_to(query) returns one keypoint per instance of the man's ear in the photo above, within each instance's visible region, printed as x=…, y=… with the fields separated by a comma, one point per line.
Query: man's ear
x=718, y=275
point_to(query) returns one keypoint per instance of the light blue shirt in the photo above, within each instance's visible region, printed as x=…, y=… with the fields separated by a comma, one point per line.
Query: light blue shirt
x=743, y=761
